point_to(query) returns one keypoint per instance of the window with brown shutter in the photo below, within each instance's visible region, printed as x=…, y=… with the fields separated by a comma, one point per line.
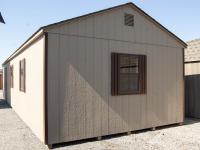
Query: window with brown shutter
x=11, y=77
x=128, y=75
x=22, y=75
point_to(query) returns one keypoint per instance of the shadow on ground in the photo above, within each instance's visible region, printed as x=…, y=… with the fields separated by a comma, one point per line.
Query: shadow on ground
x=188, y=121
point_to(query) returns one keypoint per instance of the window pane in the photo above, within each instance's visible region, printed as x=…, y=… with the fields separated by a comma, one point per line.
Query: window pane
x=124, y=60
x=124, y=83
x=128, y=73
x=133, y=82
x=134, y=64
x=128, y=64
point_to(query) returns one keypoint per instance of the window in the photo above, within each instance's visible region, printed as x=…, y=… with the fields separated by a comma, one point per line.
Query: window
x=11, y=77
x=22, y=75
x=129, y=20
x=128, y=75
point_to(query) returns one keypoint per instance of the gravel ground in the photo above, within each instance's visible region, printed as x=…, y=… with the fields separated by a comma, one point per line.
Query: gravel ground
x=15, y=135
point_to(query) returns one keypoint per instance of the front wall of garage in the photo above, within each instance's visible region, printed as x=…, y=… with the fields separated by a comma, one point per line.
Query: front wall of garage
x=80, y=104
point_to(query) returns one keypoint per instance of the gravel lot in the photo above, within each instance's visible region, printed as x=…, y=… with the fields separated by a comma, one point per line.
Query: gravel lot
x=15, y=135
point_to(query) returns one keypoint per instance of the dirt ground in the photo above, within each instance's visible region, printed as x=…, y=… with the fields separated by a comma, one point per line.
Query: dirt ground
x=15, y=135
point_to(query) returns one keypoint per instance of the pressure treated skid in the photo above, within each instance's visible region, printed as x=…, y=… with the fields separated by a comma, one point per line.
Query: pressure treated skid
x=74, y=97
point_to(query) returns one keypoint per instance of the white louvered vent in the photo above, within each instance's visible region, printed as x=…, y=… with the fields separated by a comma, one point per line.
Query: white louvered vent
x=129, y=20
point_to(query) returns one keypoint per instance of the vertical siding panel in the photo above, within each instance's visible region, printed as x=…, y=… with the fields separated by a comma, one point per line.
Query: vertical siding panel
x=81, y=85
x=105, y=62
x=173, y=86
x=97, y=87
x=158, y=88
x=180, y=85
x=167, y=79
x=163, y=89
x=89, y=88
x=64, y=93
x=151, y=87
x=74, y=129
x=53, y=88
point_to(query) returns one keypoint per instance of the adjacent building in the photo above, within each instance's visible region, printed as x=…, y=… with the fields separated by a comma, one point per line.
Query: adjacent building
x=192, y=79
x=112, y=71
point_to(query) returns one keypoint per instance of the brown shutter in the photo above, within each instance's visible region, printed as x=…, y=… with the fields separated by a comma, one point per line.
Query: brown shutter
x=11, y=77
x=114, y=72
x=142, y=74
x=20, y=76
x=24, y=75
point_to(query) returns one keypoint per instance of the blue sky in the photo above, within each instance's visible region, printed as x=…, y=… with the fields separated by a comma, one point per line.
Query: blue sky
x=24, y=17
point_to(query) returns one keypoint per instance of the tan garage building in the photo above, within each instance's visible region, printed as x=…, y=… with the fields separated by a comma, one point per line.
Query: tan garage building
x=108, y=72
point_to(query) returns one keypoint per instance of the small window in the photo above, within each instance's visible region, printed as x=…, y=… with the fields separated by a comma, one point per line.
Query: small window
x=11, y=77
x=22, y=75
x=129, y=20
x=128, y=74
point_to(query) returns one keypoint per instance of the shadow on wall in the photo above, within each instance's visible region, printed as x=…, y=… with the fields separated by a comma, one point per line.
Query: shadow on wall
x=88, y=112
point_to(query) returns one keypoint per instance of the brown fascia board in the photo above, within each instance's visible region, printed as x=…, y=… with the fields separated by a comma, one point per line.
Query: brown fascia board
x=45, y=28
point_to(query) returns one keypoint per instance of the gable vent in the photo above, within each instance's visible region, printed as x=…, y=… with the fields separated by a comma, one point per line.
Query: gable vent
x=129, y=20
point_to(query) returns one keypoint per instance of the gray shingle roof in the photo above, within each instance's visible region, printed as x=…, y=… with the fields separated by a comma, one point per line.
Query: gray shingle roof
x=192, y=52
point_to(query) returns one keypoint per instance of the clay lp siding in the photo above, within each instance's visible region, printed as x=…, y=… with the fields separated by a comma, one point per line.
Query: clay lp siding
x=80, y=104
x=79, y=87
x=29, y=105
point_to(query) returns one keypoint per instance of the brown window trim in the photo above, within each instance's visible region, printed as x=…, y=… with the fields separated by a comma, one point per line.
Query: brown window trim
x=22, y=88
x=115, y=74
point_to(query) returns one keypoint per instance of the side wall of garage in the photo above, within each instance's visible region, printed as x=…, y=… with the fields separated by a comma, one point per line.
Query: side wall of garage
x=29, y=105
